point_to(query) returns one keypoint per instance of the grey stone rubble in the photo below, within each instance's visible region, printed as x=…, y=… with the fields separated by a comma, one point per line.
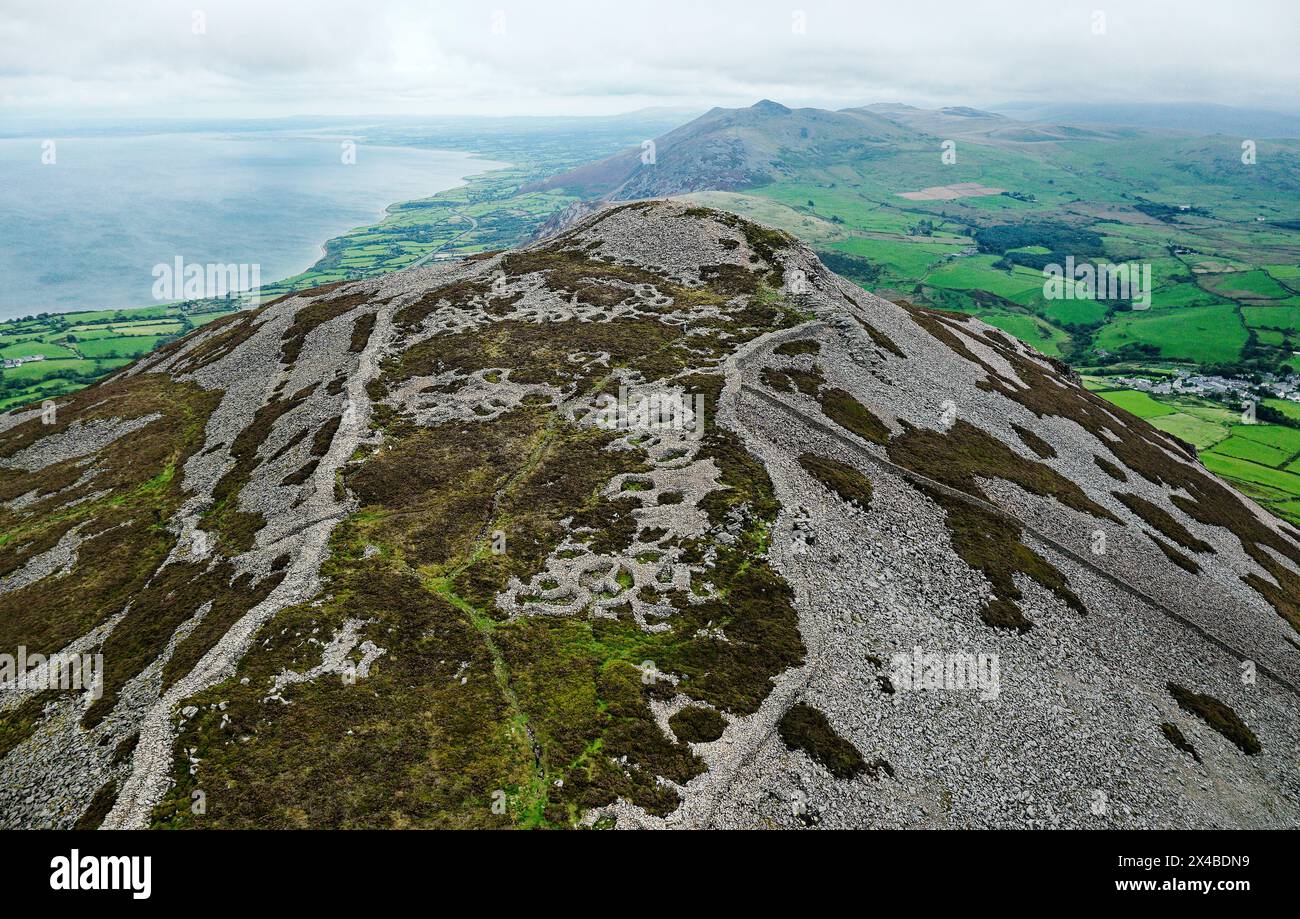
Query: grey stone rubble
x=306, y=546
x=77, y=441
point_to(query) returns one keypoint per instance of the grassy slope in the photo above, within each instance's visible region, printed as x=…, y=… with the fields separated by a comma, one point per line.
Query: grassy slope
x=1239, y=275
x=1262, y=460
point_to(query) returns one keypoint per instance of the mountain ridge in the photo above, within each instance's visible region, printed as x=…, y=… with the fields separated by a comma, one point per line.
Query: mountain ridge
x=729, y=149
x=282, y=531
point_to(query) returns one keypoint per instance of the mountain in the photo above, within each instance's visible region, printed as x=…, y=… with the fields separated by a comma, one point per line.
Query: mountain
x=732, y=149
x=655, y=523
x=726, y=149
x=989, y=127
x=1194, y=118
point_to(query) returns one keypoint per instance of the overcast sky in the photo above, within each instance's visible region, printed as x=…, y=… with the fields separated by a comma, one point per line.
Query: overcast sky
x=222, y=58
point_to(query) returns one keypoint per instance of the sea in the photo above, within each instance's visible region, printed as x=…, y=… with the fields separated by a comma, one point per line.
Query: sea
x=84, y=219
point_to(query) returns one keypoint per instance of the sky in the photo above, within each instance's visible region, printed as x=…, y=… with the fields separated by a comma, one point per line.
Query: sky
x=270, y=58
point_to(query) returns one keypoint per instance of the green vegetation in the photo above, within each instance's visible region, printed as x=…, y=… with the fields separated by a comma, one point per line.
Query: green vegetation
x=852, y=415
x=1034, y=442
x=1261, y=460
x=697, y=724
x=806, y=728
x=1163, y=521
x=1139, y=403
x=1226, y=284
x=113, y=508
x=18, y=723
x=1201, y=335
x=75, y=349
x=841, y=478
x=99, y=807
x=797, y=348
x=1218, y=715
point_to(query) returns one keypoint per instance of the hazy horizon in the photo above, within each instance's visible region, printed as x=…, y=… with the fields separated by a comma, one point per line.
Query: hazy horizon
x=1195, y=118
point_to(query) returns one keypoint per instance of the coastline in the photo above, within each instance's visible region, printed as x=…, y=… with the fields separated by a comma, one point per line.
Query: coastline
x=444, y=170
x=54, y=352
x=389, y=209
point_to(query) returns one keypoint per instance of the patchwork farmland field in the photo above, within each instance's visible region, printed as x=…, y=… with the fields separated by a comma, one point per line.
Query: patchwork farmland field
x=1261, y=460
x=1223, y=255
x=62, y=352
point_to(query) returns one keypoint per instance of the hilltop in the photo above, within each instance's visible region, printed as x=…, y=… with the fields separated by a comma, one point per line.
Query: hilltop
x=964, y=210
x=729, y=149
x=380, y=554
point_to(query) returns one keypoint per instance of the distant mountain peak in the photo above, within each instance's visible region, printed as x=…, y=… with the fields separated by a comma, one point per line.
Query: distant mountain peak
x=731, y=148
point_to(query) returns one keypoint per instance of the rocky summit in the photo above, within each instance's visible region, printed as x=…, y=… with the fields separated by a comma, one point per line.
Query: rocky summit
x=654, y=523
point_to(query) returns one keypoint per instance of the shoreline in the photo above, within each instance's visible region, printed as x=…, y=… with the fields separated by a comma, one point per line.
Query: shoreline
x=388, y=209
x=482, y=167
x=81, y=345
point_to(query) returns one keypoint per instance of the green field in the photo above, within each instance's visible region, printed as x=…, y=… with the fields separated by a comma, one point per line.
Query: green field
x=1247, y=449
x=1042, y=335
x=1272, y=487
x=33, y=347
x=1221, y=242
x=79, y=348
x=1290, y=409
x=1285, y=318
x=120, y=346
x=1196, y=334
x=1139, y=403
x=1262, y=460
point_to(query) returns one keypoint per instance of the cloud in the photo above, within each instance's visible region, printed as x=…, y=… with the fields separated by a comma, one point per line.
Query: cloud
x=251, y=57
